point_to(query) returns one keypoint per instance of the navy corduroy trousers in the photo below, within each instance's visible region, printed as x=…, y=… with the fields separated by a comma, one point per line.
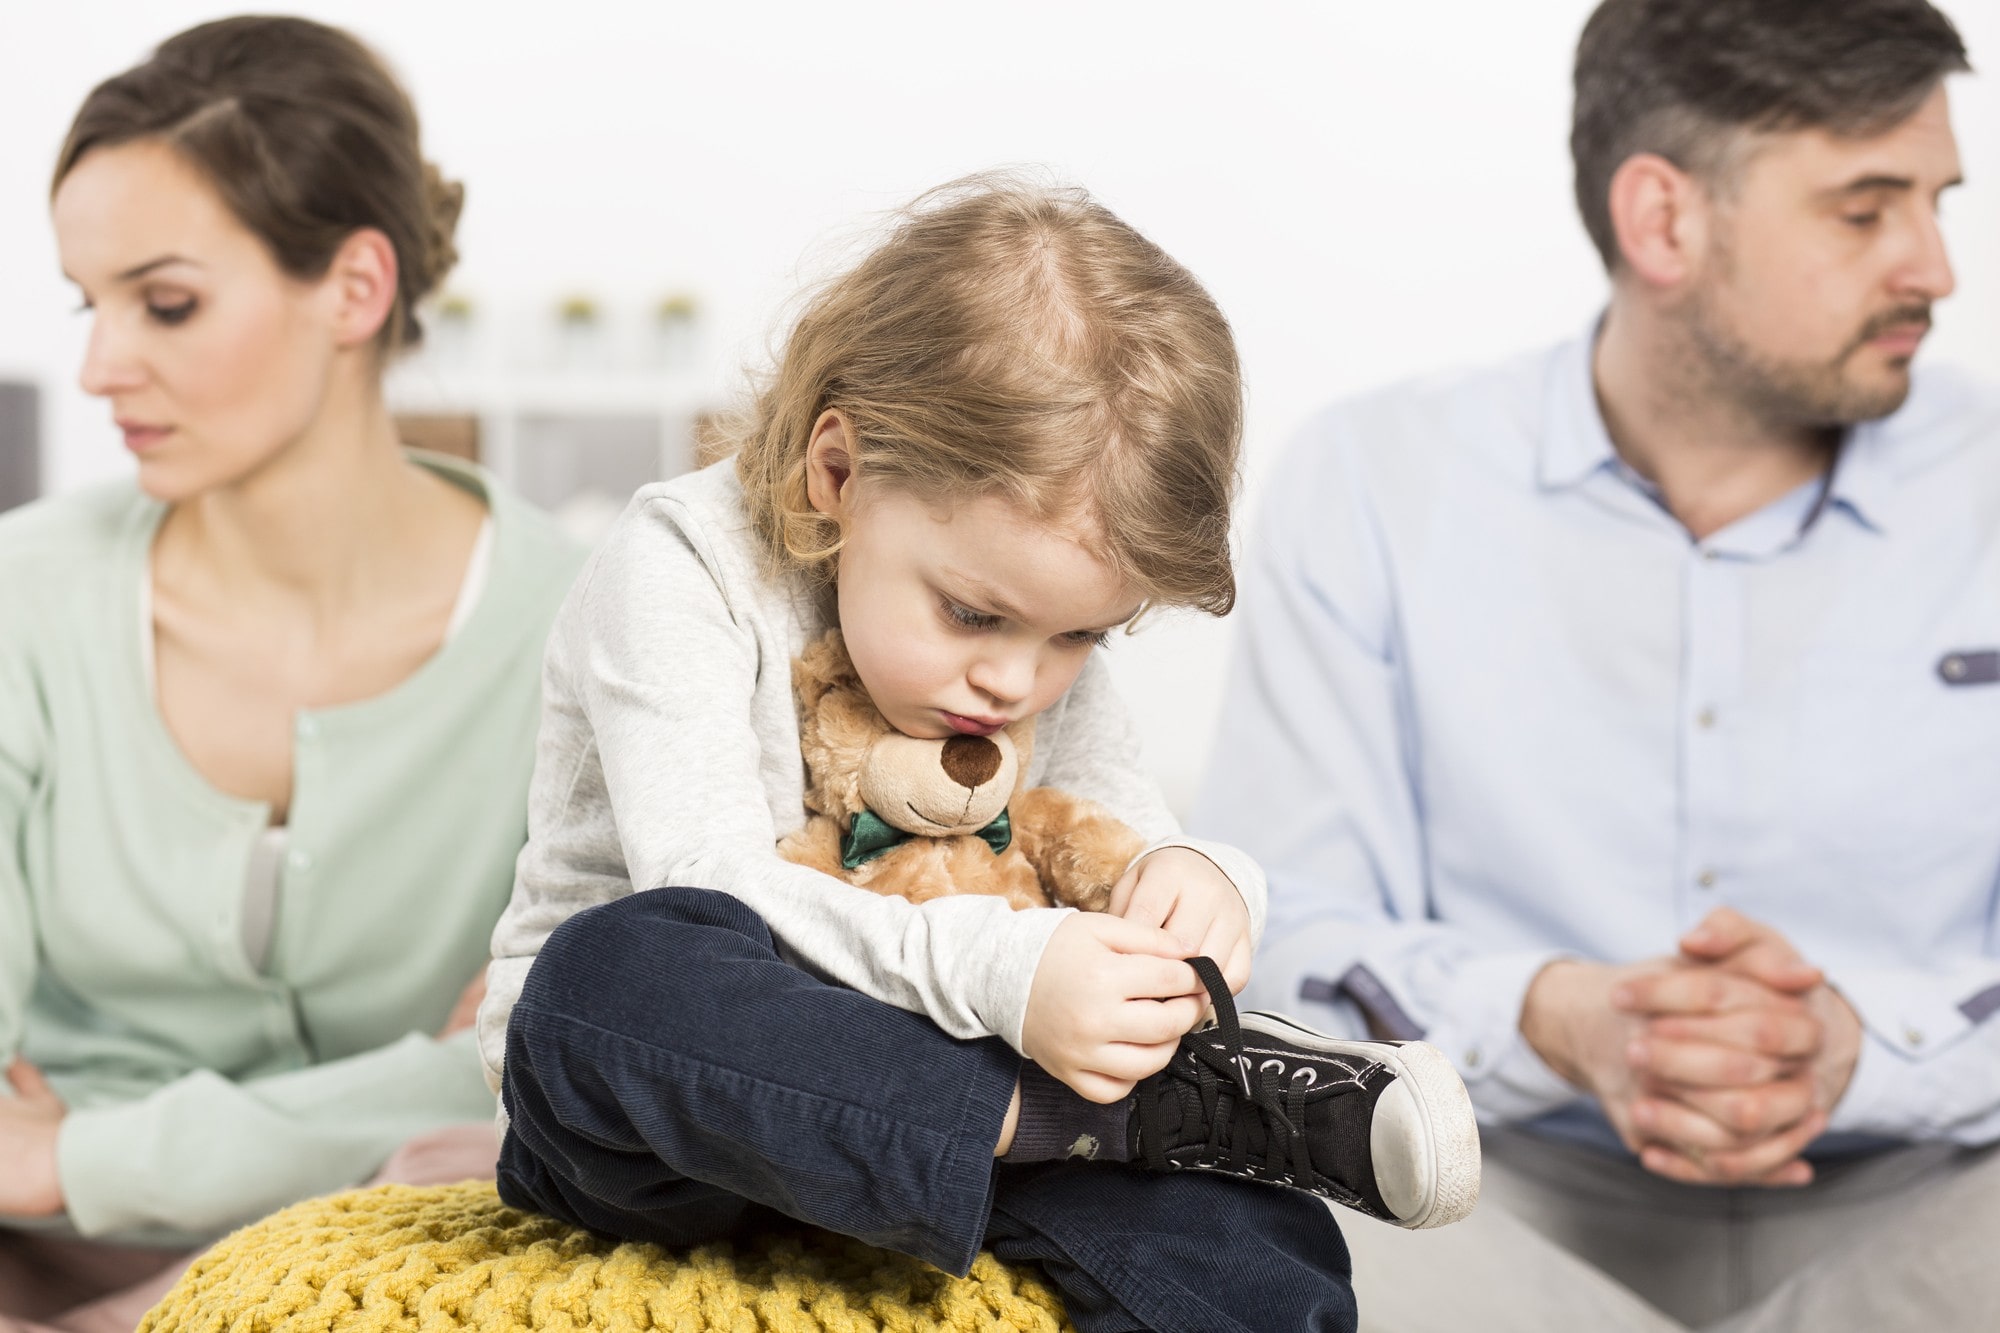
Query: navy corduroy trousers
x=670, y=1078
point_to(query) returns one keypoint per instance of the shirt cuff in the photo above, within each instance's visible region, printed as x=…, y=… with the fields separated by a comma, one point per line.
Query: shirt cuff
x=1480, y=1030
x=1237, y=866
x=1003, y=992
x=1918, y=1014
x=1314, y=972
x=1908, y=1019
x=95, y=1149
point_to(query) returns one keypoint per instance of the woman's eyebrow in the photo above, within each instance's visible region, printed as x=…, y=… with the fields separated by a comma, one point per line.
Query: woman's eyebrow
x=133, y=274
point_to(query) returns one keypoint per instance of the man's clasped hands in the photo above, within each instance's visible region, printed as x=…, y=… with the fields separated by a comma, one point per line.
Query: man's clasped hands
x=1718, y=1065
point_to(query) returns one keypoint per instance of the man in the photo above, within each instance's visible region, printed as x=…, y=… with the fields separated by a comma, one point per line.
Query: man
x=1626, y=720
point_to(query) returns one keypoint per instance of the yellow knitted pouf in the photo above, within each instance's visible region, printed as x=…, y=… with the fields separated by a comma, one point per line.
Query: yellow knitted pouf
x=398, y=1258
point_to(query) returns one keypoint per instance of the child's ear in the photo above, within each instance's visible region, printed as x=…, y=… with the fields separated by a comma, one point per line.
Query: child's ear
x=830, y=458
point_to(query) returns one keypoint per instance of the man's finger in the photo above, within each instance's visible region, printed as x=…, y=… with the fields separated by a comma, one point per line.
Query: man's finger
x=1772, y=962
x=1752, y=1112
x=1762, y=1162
x=1700, y=1064
x=1672, y=1124
x=1750, y=947
x=1779, y=1032
x=1754, y=1163
x=1695, y=990
x=1723, y=930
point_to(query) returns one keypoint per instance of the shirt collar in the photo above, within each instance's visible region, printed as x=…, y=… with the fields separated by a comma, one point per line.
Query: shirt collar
x=1861, y=481
x=1576, y=444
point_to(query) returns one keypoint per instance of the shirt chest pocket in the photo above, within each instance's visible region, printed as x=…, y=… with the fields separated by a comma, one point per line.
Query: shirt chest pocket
x=1899, y=763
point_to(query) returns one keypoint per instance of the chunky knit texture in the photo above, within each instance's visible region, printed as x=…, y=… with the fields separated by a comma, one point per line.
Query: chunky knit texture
x=398, y=1258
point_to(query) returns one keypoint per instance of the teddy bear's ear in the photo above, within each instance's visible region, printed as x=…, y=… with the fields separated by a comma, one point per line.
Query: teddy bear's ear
x=837, y=723
x=1022, y=733
x=823, y=667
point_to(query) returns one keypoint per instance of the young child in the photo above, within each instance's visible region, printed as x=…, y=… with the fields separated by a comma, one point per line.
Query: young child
x=995, y=441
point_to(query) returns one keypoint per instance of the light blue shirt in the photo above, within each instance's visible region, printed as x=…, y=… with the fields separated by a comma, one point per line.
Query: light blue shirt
x=1492, y=705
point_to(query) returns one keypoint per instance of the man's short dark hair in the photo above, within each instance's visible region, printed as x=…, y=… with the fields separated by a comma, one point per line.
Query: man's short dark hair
x=1683, y=78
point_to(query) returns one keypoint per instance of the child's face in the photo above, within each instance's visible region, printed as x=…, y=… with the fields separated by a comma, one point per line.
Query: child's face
x=964, y=617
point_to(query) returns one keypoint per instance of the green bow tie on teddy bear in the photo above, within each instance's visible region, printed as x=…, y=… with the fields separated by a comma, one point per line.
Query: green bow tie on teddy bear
x=869, y=836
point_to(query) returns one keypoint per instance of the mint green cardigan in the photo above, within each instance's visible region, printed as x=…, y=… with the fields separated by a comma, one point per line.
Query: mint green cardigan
x=204, y=1093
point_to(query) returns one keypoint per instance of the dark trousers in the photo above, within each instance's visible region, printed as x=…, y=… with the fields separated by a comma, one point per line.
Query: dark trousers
x=671, y=1079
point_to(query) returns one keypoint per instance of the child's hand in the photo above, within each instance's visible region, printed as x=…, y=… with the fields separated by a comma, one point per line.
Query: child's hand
x=1182, y=892
x=1109, y=1004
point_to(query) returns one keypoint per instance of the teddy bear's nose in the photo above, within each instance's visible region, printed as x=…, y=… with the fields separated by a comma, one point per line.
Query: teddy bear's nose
x=970, y=760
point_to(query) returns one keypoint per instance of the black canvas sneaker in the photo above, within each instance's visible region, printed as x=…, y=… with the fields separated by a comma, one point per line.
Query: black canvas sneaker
x=1383, y=1127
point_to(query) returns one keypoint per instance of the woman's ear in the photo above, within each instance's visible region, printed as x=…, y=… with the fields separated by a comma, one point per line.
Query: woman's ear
x=1661, y=216
x=830, y=457
x=361, y=285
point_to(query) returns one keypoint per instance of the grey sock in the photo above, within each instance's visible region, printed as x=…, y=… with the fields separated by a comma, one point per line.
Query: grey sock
x=1057, y=1124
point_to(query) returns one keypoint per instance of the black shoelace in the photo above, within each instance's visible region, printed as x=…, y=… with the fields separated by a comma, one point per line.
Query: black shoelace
x=1228, y=1094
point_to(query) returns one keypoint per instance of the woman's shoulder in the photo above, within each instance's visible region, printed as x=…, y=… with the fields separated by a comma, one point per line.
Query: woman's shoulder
x=52, y=543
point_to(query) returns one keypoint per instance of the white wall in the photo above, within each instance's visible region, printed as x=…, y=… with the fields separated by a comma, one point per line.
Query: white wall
x=1370, y=190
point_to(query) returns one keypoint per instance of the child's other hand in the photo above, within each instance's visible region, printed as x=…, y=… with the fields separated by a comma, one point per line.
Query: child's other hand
x=1109, y=1004
x=1183, y=893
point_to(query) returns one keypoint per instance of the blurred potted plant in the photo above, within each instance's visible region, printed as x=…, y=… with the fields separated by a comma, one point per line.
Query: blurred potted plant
x=449, y=333
x=581, y=341
x=676, y=321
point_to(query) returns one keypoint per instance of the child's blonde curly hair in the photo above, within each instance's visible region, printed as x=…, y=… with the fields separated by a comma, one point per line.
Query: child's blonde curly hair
x=1014, y=339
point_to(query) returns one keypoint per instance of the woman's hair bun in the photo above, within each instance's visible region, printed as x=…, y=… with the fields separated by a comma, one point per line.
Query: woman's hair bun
x=446, y=200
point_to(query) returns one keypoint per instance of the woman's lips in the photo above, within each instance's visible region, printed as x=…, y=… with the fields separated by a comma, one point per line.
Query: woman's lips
x=139, y=438
x=971, y=726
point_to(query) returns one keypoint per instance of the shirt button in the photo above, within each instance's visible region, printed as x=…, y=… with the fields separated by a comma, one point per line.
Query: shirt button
x=1705, y=719
x=1914, y=1036
x=1706, y=879
x=300, y=860
x=1472, y=1058
x=1709, y=553
x=308, y=728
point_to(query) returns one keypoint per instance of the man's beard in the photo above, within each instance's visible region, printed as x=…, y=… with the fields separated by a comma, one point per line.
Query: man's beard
x=1791, y=394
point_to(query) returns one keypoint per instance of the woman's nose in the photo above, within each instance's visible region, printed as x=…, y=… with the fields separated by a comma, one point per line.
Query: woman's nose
x=108, y=365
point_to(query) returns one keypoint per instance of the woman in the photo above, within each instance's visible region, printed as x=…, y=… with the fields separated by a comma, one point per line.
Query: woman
x=267, y=715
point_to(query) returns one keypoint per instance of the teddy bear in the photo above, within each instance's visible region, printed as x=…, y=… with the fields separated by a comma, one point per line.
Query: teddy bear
x=925, y=818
